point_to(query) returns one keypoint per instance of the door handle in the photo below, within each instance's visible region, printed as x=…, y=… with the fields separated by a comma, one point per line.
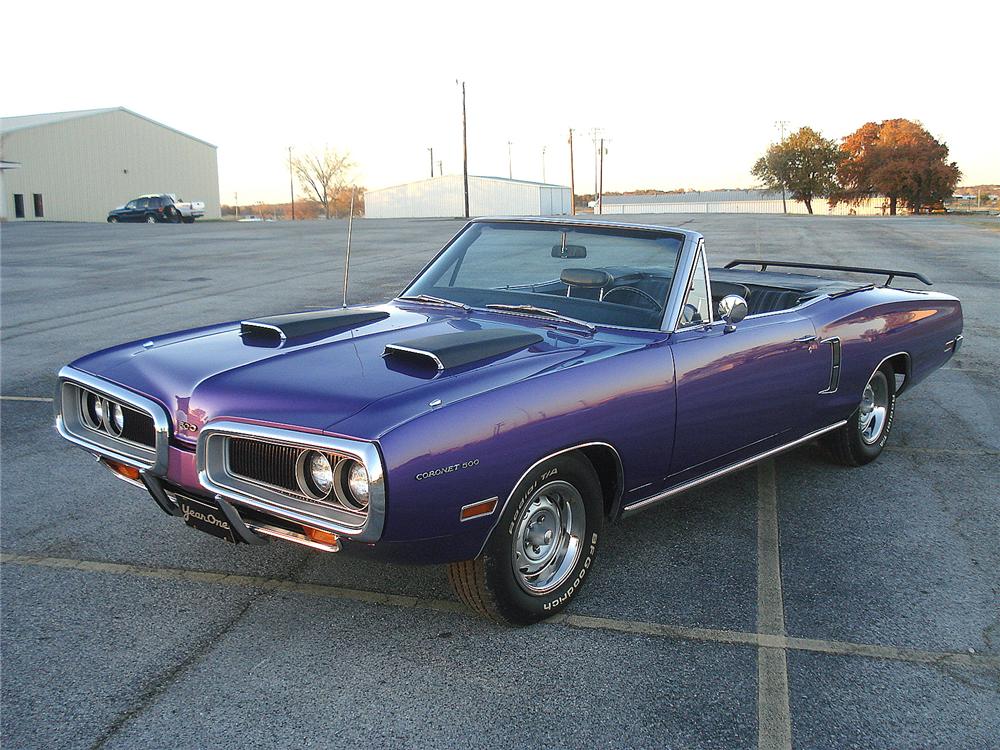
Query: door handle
x=805, y=339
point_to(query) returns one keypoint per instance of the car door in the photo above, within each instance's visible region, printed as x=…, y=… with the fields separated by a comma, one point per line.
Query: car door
x=742, y=390
x=129, y=211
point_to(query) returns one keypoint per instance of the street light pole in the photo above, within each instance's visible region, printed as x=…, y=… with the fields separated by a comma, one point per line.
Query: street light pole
x=543, y=163
x=291, y=182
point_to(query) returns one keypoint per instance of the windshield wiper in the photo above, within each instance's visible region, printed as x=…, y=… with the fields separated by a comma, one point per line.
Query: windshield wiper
x=542, y=312
x=428, y=299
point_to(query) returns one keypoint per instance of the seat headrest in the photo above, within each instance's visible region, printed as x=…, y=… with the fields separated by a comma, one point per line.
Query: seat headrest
x=585, y=277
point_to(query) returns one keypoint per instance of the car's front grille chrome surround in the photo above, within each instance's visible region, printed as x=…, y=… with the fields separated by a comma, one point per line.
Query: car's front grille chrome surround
x=143, y=438
x=255, y=466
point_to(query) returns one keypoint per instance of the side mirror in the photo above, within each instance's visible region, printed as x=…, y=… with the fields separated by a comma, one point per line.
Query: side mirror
x=732, y=309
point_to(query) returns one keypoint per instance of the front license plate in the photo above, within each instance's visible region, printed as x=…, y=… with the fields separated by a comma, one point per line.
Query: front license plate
x=206, y=516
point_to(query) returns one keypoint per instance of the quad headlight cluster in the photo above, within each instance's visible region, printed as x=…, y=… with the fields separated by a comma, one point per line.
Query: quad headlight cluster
x=102, y=414
x=329, y=478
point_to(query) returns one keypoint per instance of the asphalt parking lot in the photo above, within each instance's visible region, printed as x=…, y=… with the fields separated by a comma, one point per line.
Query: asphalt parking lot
x=797, y=603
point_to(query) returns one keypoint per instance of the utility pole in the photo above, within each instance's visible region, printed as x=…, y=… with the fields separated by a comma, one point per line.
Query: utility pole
x=431, y=149
x=781, y=125
x=595, y=135
x=236, y=200
x=465, y=153
x=600, y=184
x=440, y=170
x=510, y=169
x=291, y=182
x=543, y=163
x=572, y=181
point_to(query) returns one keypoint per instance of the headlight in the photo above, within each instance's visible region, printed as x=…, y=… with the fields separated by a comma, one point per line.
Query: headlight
x=315, y=474
x=93, y=410
x=355, y=484
x=116, y=421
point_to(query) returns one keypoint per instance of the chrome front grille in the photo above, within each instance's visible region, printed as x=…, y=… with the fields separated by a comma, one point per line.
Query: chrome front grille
x=262, y=468
x=268, y=463
x=141, y=438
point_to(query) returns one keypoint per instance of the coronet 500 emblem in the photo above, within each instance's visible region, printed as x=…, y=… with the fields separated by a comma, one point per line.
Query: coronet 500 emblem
x=447, y=469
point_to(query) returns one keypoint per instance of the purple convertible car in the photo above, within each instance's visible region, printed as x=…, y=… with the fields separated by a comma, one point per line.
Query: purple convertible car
x=537, y=380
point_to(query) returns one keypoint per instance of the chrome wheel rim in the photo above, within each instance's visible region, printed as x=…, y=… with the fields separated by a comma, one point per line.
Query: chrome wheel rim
x=150, y=220
x=548, y=538
x=874, y=409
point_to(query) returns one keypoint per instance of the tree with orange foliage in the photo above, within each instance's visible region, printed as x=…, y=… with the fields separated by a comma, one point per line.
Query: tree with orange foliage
x=898, y=159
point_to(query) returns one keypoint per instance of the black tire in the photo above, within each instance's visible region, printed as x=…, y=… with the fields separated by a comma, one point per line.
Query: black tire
x=112, y=220
x=489, y=584
x=851, y=445
x=150, y=219
x=174, y=215
x=188, y=219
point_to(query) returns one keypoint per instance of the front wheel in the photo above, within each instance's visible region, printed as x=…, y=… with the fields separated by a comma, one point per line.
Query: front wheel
x=112, y=220
x=542, y=547
x=861, y=440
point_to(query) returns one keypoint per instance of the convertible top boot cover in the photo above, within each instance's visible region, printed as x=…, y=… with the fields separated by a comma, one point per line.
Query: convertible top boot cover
x=278, y=328
x=449, y=350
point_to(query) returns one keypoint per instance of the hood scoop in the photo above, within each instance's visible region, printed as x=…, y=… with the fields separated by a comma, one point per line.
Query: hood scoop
x=275, y=329
x=450, y=350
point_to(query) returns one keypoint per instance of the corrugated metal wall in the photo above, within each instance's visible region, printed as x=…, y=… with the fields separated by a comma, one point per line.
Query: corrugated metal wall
x=821, y=207
x=488, y=196
x=84, y=167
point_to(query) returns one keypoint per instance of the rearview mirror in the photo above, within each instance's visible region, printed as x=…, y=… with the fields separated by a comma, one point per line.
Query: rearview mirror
x=569, y=251
x=732, y=309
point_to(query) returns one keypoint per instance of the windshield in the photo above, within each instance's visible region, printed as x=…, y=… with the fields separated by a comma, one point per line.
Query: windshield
x=611, y=276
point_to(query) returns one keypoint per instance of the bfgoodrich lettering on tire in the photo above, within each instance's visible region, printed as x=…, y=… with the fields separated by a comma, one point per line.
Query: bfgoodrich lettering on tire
x=542, y=548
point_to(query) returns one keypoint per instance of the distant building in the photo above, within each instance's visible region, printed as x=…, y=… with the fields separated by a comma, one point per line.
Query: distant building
x=488, y=196
x=731, y=202
x=75, y=166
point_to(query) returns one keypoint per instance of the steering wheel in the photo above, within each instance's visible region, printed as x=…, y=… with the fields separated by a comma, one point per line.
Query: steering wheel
x=643, y=295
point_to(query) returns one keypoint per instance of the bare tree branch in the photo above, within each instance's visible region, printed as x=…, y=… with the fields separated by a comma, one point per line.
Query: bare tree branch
x=323, y=175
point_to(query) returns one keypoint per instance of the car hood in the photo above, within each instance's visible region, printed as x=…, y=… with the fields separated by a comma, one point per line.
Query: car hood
x=316, y=381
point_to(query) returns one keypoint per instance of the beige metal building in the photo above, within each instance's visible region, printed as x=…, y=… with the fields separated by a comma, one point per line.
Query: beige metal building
x=76, y=166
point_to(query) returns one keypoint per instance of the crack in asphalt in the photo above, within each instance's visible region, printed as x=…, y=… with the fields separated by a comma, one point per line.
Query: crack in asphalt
x=163, y=681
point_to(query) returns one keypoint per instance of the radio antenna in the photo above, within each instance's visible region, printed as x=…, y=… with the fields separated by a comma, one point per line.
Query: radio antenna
x=347, y=263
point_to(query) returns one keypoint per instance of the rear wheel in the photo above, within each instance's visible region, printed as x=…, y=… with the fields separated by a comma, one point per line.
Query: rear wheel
x=150, y=219
x=542, y=548
x=861, y=440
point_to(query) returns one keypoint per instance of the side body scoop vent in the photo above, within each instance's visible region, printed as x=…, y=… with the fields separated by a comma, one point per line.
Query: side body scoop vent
x=274, y=329
x=449, y=350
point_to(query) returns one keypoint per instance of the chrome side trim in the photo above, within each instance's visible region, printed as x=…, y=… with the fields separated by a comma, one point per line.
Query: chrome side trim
x=835, y=364
x=503, y=508
x=906, y=375
x=70, y=426
x=215, y=476
x=653, y=499
x=390, y=348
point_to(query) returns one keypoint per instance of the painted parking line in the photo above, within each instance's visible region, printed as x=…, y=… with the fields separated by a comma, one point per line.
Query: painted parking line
x=584, y=622
x=774, y=720
x=37, y=399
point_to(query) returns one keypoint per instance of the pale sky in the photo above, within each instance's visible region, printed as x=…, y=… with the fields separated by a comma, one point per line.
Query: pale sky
x=687, y=95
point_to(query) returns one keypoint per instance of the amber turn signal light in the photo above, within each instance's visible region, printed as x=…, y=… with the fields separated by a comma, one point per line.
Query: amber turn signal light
x=323, y=537
x=129, y=472
x=482, y=508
